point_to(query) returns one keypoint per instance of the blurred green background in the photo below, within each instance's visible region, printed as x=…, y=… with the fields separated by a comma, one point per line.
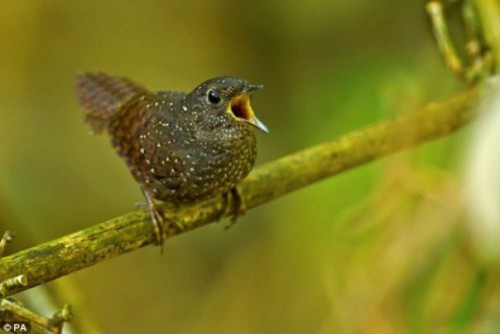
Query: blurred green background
x=379, y=249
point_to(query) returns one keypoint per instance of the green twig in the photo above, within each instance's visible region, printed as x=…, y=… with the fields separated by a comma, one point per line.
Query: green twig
x=477, y=62
x=443, y=38
x=46, y=262
x=489, y=12
x=17, y=312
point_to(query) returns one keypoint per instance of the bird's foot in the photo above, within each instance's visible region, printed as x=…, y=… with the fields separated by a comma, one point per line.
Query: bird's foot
x=238, y=206
x=163, y=226
x=158, y=219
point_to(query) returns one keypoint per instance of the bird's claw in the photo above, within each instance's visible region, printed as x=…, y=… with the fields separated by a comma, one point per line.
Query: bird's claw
x=238, y=207
x=163, y=226
x=158, y=220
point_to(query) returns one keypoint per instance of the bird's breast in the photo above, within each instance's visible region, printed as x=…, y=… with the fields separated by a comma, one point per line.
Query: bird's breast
x=205, y=170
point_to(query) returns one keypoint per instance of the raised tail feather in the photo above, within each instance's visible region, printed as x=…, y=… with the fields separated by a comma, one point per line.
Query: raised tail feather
x=103, y=96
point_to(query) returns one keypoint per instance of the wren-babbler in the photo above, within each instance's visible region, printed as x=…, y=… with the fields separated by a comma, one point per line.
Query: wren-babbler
x=180, y=148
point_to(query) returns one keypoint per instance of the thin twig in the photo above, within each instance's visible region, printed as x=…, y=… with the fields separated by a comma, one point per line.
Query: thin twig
x=53, y=325
x=6, y=238
x=123, y=234
x=12, y=284
x=58, y=319
x=443, y=38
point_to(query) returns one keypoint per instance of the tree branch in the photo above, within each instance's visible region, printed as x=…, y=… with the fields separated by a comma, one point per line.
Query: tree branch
x=46, y=262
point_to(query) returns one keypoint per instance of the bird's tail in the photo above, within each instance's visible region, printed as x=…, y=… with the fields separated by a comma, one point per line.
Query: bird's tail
x=103, y=96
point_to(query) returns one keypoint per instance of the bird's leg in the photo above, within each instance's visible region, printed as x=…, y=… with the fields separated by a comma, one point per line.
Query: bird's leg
x=239, y=207
x=163, y=226
x=156, y=217
x=225, y=205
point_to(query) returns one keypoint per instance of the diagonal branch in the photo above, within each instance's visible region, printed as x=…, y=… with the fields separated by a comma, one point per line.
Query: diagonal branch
x=46, y=262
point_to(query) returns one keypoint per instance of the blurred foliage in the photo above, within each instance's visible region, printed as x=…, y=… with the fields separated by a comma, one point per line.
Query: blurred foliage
x=380, y=249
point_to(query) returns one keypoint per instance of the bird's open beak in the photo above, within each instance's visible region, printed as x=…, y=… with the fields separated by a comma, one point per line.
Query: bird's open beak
x=240, y=107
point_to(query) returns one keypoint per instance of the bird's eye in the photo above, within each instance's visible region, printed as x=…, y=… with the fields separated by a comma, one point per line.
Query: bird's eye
x=214, y=96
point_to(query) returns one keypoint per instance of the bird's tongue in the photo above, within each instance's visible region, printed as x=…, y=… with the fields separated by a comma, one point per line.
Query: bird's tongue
x=241, y=108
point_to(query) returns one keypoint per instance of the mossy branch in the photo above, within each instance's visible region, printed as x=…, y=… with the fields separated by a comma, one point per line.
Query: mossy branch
x=46, y=262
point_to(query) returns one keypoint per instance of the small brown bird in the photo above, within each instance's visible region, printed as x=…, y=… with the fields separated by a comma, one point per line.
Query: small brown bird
x=180, y=148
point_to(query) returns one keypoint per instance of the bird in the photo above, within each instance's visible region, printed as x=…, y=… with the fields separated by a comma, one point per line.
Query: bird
x=181, y=148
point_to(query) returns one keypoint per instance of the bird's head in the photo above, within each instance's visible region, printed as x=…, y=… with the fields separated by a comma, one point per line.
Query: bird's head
x=228, y=98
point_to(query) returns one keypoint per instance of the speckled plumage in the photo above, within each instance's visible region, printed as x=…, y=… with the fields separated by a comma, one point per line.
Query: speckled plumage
x=180, y=147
